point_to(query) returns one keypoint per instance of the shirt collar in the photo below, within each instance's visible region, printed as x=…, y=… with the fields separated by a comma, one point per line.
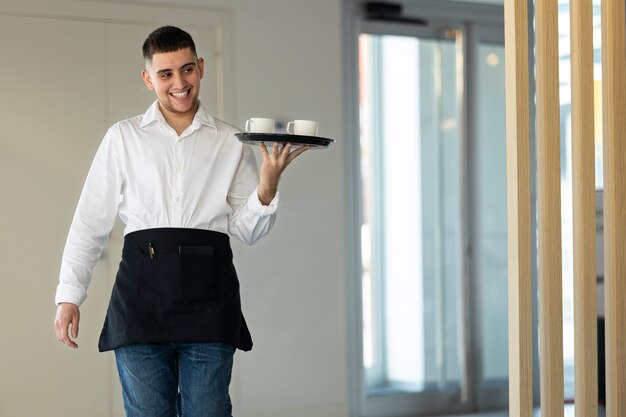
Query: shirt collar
x=202, y=117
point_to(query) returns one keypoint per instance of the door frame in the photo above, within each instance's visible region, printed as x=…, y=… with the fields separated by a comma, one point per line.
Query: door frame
x=218, y=22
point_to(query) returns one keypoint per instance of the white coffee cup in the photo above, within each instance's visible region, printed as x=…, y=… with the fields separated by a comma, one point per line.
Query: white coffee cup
x=303, y=127
x=259, y=125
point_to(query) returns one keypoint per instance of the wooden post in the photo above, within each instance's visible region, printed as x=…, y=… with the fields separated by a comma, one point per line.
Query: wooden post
x=549, y=210
x=583, y=168
x=614, y=150
x=518, y=206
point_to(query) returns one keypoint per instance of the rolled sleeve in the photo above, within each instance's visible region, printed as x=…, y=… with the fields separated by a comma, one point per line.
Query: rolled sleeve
x=252, y=220
x=256, y=207
x=69, y=294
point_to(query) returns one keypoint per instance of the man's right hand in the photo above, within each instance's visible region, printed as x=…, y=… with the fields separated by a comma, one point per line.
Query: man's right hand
x=67, y=314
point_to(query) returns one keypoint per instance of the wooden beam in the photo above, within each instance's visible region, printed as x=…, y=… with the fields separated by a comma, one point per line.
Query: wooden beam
x=518, y=208
x=614, y=150
x=549, y=209
x=584, y=207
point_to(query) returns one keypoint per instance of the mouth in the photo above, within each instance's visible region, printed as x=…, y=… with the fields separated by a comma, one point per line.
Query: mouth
x=181, y=95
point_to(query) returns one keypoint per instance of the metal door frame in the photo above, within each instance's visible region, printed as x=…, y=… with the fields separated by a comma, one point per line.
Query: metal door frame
x=479, y=23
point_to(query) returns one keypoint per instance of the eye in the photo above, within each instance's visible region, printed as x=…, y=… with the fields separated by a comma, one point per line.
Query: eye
x=165, y=75
x=188, y=70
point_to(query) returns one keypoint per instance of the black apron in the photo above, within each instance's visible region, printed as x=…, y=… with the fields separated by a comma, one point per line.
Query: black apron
x=175, y=285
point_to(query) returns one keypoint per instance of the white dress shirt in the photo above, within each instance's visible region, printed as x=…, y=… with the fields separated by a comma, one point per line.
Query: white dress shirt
x=203, y=179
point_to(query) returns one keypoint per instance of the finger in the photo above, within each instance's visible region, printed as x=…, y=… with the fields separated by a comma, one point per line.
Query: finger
x=286, y=149
x=58, y=327
x=263, y=149
x=75, y=321
x=297, y=152
x=66, y=338
x=275, y=149
x=69, y=342
x=62, y=334
x=57, y=330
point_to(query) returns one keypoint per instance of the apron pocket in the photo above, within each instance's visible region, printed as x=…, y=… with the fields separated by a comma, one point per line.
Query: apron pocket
x=198, y=278
x=177, y=278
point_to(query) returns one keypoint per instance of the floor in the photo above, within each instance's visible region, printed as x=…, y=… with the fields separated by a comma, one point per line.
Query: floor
x=568, y=412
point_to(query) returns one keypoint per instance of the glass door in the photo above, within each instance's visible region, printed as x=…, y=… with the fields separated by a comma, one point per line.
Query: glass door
x=433, y=220
x=412, y=229
x=489, y=221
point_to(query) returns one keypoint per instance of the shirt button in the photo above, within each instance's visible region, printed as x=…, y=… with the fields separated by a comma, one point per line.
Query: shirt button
x=178, y=199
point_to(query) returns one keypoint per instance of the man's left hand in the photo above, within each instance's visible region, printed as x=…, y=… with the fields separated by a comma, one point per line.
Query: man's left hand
x=274, y=163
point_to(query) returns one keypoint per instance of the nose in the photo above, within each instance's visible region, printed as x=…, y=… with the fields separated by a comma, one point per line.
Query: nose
x=178, y=80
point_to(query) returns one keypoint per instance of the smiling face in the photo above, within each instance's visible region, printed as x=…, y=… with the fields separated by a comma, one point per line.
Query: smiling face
x=175, y=78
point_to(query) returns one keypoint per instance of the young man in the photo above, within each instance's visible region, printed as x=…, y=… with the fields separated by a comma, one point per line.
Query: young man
x=182, y=183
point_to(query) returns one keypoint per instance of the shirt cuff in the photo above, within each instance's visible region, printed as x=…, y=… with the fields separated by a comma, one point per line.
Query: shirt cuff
x=69, y=294
x=256, y=207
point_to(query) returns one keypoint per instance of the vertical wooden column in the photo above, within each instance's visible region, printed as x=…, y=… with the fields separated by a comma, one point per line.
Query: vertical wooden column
x=583, y=160
x=549, y=209
x=614, y=149
x=518, y=206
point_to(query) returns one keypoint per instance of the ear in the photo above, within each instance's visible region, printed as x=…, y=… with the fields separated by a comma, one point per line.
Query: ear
x=147, y=79
x=201, y=66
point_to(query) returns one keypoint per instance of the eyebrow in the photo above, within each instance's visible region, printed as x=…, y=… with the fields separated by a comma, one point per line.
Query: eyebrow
x=181, y=67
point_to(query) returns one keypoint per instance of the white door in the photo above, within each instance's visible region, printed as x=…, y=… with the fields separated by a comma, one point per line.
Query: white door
x=65, y=80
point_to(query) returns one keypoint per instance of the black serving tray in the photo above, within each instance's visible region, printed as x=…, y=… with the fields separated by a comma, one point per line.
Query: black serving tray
x=312, y=141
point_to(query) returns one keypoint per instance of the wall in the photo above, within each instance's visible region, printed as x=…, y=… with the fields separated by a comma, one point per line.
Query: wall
x=287, y=64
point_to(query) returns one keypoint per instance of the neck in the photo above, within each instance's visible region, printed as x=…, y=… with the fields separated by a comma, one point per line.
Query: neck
x=179, y=121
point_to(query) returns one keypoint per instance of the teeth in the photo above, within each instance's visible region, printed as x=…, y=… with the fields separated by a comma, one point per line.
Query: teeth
x=181, y=95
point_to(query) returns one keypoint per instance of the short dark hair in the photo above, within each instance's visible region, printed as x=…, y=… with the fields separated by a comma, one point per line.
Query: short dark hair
x=167, y=39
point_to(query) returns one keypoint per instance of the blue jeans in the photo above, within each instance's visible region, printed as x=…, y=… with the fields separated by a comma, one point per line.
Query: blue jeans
x=176, y=379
